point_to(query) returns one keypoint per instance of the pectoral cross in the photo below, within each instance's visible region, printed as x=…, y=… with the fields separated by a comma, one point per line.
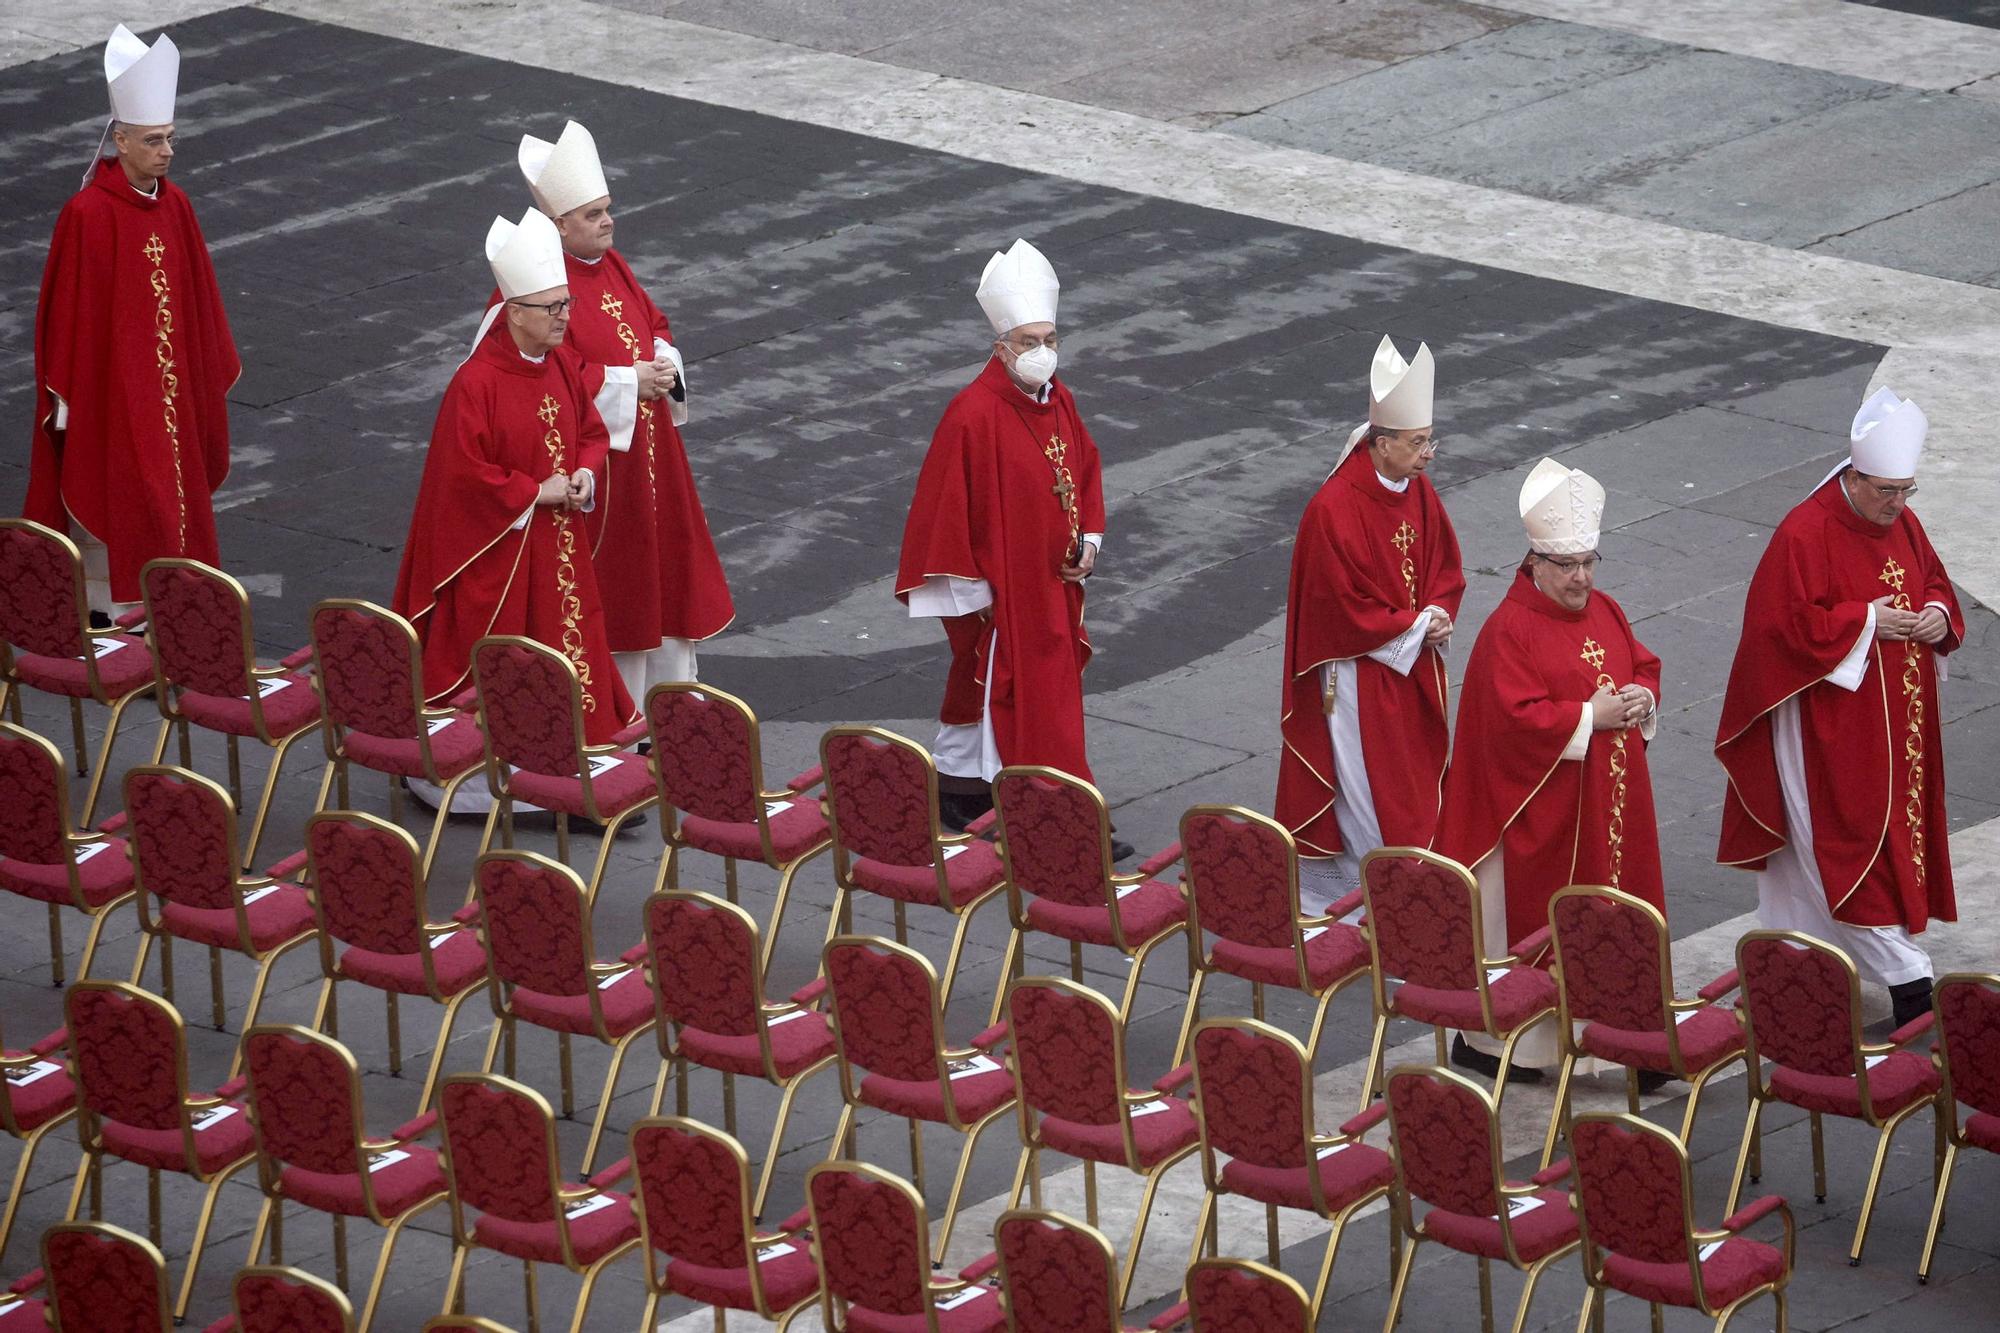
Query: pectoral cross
x=1062, y=490
x=155, y=250
x=1405, y=536
x=1892, y=574
x=550, y=410
x=1593, y=653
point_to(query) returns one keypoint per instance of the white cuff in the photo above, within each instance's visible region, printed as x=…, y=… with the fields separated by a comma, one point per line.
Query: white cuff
x=1651, y=726
x=1579, y=741
x=677, y=408
x=590, y=500
x=1400, y=653
x=618, y=404
x=522, y=521
x=1854, y=666
x=944, y=595
x=1095, y=539
x=62, y=412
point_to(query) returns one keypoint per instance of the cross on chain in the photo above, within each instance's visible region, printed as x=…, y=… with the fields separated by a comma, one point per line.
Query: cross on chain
x=1405, y=536
x=155, y=249
x=1892, y=574
x=1593, y=653
x=550, y=410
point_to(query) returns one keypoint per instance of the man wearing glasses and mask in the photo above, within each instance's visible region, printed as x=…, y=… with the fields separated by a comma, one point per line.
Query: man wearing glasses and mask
x=1829, y=730
x=1548, y=783
x=1004, y=528
x=1376, y=581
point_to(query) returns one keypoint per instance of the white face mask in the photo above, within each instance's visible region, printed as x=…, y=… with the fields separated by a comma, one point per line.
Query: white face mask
x=1036, y=368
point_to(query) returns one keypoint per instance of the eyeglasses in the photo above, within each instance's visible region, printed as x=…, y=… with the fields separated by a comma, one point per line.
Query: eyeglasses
x=1427, y=447
x=553, y=309
x=1588, y=564
x=1887, y=492
x=1023, y=346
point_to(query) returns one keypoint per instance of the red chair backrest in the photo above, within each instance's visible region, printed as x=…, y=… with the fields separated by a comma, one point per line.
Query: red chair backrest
x=702, y=754
x=1444, y=1143
x=1800, y=1000
x=270, y=1303
x=126, y=1047
x=704, y=960
x=693, y=1191
x=1066, y=1054
x=534, y=914
x=40, y=581
x=1055, y=838
x=497, y=1141
x=1230, y=1300
x=182, y=837
x=1058, y=1277
x=885, y=1009
x=1240, y=875
x=367, y=878
x=880, y=795
x=1610, y=955
x=1252, y=1096
x=31, y=790
x=198, y=631
x=870, y=1242
x=1421, y=915
x=303, y=1095
x=1631, y=1188
x=101, y=1281
x=528, y=696
x=367, y=673
x=1969, y=1020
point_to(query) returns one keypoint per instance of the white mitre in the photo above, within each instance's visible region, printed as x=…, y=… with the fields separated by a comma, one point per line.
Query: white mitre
x=1399, y=391
x=526, y=256
x=1018, y=287
x=142, y=79
x=565, y=174
x=1887, y=438
x=1562, y=508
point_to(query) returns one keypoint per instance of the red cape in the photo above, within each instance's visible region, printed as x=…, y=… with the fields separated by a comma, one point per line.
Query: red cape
x=1349, y=596
x=986, y=508
x=1807, y=605
x=1524, y=685
x=467, y=572
x=132, y=337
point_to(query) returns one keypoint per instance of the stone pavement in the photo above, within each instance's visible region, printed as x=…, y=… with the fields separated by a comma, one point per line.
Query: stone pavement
x=820, y=280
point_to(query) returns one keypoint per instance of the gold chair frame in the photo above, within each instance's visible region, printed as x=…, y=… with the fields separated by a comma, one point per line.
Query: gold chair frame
x=298, y=1277
x=29, y=1139
x=829, y=1304
x=1114, y=1289
x=1947, y=1110
x=74, y=839
x=104, y=1230
x=1249, y=1268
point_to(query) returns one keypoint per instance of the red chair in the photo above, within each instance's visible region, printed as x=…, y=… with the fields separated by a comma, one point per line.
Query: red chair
x=1055, y=842
x=1615, y=977
x=1445, y=1131
x=882, y=801
x=1254, y=1095
x=1635, y=1202
x=206, y=674
x=531, y=709
x=1243, y=888
x=501, y=1159
x=1425, y=928
x=872, y=1239
x=128, y=1053
x=369, y=899
x=709, y=763
x=46, y=642
x=888, y=1023
x=21, y=1311
x=36, y=1095
x=284, y=1300
x=1237, y=1296
x=371, y=677
x=102, y=1278
x=692, y=1183
x=1055, y=1274
x=545, y=971
x=711, y=1011
x=1967, y=1005
x=183, y=839
x=313, y=1149
x=472, y=1322
x=1074, y=1097
x=1802, y=1005
x=42, y=858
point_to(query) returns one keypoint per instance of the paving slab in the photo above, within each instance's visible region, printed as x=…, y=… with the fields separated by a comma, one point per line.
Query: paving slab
x=1951, y=237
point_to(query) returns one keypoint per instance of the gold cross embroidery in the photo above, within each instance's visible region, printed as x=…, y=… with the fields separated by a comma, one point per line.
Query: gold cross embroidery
x=612, y=306
x=1404, y=537
x=1593, y=653
x=1892, y=574
x=155, y=249
x=550, y=410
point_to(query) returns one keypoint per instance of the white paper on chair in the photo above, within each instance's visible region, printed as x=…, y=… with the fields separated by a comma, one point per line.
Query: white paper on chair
x=778, y=1251
x=599, y=763
x=106, y=647
x=8, y=1307
x=585, y=1207
x=89, y=850
x=1685, y=1014
x=21, y=1076
x=214, y=1115
x=1872, y=1061
x=1525, y=1204
x=616, y=977
x=1330, y=1149
x=1128, y=890
x=775, y=808
x=384, y=1161
x=786, y=1018
x=1494, y=974
x=437, y=724
x=1144, y=1109
x=267, y=688
x=264, y=892
x=1313, y=934
x=978, y=1064
x=946, y=855
x=966, y=1297
x=1705, y=1252
x=438, y=941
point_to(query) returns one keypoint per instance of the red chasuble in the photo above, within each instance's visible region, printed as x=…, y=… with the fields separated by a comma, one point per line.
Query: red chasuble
x=1562, y=821
x=1874, y=758
x=506, y=425
x=991, y=504
x=649, y=527
x=1366, y=561
x=130, y=334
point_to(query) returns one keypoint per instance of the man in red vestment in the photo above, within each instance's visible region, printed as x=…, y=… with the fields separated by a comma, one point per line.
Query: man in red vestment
x=133, y=357
x=1829, y=730
x=1005, y=526
x=671, y=592
x=1376, y=581
x=1548, y=784
x=496, y=544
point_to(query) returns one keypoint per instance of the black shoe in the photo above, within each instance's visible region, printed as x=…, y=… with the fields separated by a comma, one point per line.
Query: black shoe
x=1911, y=1000
x=1121, y=850
x=100, y=623
x=1479, y=1062
x=1652, y=1080
x=957, y=809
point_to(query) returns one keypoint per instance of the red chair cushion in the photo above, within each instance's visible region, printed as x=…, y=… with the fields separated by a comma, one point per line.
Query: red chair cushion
x=454, y=749
x=35, y=1104
x=788, y=1279
x=1157, y=1136
x=460, y=961
x=274, y=918
x=628, y=1004
x=1333, y=954
x=1146, y=911
x=1517, y=997
x=1902, y=1078
x=1344, y=1176
x=622, y=786
x=103, y=876
x=1708, y=1036
x=285, y=711
x=592, y=1235
x=795, y=1045
x=970, y=873
x=923, y=1099
x=1740, y=1265
x=398, y=1186
x=980, y=1314
x=227, y=1140
x=120, y=671
x=794, y=832
x=25, y=1315
x=1983, y=1130
x=1537, y=1232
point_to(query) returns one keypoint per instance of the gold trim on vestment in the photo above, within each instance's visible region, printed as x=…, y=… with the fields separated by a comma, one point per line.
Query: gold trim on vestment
x=568, y=601
x=155, y=251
